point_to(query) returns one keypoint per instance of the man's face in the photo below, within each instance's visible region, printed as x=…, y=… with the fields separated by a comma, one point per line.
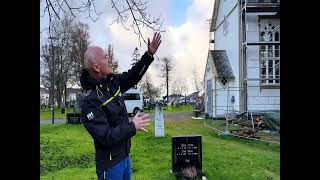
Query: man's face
x=103, y=60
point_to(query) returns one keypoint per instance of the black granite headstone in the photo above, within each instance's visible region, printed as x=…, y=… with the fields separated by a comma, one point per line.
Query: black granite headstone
x=186, y=152
x=73, y=118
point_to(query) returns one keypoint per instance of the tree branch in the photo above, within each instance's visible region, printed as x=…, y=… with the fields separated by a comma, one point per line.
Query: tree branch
x=69, y=8
x=122, y=20
x=50, y=4
x=136, y=25
x=137, y=9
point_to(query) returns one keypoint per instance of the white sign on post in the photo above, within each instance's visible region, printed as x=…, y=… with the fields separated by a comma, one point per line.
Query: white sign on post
x=159, y=123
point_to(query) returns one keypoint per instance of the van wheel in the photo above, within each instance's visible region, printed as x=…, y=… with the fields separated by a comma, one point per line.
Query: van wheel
x=135, y=111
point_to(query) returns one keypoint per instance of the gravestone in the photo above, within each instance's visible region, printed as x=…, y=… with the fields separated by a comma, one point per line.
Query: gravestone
x=186, y=155
x=159, y=122
x=74, y=117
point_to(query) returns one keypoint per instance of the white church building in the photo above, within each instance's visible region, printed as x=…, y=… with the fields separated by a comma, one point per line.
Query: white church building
x=243, y=63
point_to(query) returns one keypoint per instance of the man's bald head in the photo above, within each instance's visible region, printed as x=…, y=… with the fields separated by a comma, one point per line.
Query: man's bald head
x=96, y=62
x=92, y=56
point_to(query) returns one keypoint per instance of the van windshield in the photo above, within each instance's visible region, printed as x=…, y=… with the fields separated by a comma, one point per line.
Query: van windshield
x=131, y=96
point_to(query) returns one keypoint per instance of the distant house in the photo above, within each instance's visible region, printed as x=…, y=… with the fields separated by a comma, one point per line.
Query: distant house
x=72, y=93
x=173, y=98
x=44, y=97
x=193, y=97
x=243, y=64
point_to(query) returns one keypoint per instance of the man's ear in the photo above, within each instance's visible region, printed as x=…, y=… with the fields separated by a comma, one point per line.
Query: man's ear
x=95, y=67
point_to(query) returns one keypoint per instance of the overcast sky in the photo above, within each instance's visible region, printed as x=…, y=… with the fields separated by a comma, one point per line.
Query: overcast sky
x=186, y=38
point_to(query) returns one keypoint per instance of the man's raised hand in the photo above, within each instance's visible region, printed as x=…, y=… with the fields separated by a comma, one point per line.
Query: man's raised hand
x=155, y=43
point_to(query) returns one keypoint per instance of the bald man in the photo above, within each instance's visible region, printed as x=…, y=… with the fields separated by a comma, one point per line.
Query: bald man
x=104, y=113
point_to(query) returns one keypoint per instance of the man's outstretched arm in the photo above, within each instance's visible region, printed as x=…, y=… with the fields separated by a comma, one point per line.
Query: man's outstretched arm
x=134, y=75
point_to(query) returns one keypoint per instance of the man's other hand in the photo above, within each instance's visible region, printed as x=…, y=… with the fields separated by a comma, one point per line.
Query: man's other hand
x=140, y=121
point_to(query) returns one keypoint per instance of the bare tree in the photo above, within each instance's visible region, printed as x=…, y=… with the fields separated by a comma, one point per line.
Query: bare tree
x=47, y=65
x=135, y=56
x=201, y=86
x=166, y=68
x=133, y=11
x=62, y=56
x=150, y=91
x=198, y=83
x=79, y=43
x=179, y=86
x=114, y=65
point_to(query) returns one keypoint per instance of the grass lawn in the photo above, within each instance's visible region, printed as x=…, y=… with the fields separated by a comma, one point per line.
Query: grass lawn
x=67, y=152
x=182, y=108
x=47, y=113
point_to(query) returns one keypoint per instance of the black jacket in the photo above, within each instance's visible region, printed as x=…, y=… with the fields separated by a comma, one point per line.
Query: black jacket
x=104, y=113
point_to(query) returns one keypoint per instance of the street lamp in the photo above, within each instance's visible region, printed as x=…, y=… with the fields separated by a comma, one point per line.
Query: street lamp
x=53, y=68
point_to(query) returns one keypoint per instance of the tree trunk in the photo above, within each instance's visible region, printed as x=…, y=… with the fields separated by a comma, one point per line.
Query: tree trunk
x=51, y=97
x=59, y=97
x=65, y=96
x=185, y=99
x=167, y=85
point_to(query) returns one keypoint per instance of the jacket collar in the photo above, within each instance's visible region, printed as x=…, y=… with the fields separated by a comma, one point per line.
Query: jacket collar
x=88, y=82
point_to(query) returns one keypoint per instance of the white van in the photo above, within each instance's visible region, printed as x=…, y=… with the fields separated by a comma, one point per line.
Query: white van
x=133, y=99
